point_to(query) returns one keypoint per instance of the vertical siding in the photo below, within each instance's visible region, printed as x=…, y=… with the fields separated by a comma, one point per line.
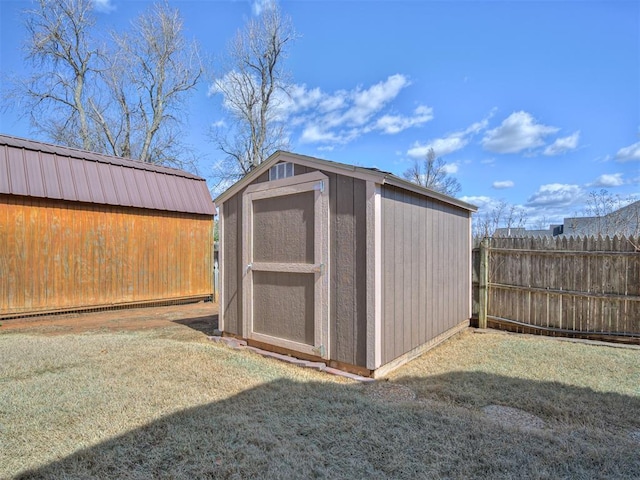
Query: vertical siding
x=425, y=270
x=347, y=203
x=60, y=255
x=231, y=277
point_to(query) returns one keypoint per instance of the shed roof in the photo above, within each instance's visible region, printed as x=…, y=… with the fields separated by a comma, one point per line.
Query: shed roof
x=373, y=174
x=37, y=169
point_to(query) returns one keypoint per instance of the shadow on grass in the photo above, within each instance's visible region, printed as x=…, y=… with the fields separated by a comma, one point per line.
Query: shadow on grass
x=286, y=429
x=205, y=324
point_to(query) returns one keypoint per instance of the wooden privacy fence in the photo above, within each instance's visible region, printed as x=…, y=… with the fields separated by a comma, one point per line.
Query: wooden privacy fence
x=579, y=287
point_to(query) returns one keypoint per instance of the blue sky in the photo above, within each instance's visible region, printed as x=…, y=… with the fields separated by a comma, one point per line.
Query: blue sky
x=535, y=103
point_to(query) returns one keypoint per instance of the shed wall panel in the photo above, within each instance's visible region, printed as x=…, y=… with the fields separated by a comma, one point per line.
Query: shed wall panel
x=348, y=258
x=231, y=280
x=425, y=270
x=344, y=251
x=58, y=255
x=361, y=253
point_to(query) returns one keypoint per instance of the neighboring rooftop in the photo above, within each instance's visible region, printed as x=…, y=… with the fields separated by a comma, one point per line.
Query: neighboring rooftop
x=624, y=221
x=36, y=169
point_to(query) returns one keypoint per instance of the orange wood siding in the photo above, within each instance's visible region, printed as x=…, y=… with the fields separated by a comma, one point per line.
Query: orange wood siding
x=61, y=255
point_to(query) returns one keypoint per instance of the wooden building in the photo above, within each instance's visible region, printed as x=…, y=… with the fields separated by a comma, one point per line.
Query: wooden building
x=80, y=231
x=350, y=265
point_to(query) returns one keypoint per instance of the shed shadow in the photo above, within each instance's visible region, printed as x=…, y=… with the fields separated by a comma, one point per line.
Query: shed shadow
x=287, y=429
x=206, y=324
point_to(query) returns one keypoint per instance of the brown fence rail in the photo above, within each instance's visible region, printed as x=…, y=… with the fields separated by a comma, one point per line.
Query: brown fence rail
x=580, y=287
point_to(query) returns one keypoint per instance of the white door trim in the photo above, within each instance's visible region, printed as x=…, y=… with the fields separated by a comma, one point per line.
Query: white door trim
x=318, y=183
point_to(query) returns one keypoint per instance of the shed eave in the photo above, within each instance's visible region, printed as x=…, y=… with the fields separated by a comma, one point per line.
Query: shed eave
x=312, y=162
x=369, y=175
x=247, y=179
x=405, y=184
x=41, y=170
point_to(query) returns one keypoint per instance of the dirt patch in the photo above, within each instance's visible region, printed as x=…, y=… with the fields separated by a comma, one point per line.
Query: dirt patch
x=202, y=316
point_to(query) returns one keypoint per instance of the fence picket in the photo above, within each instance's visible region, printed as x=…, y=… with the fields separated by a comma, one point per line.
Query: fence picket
x=576, y=286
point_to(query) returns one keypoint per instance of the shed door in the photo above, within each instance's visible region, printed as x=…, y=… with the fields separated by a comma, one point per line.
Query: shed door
x=285, y=250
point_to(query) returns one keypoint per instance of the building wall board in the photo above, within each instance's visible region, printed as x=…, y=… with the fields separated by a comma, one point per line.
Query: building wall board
x=58, y=255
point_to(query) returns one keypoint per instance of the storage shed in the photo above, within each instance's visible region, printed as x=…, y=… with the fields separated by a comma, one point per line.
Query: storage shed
x=80, y=231
x=348, y=265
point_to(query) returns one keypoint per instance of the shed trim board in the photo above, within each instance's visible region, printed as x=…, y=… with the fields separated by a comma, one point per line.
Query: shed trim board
x=222, y=293
x=395, y=271
x=374, y=281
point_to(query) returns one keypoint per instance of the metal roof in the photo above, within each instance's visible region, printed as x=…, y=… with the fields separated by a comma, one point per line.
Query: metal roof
x=42, y=170
x=373, y=174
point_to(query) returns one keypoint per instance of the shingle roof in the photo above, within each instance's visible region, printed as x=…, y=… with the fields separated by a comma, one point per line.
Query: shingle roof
x=42, y=170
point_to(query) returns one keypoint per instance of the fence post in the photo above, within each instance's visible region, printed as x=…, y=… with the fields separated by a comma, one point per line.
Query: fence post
x=483, y=283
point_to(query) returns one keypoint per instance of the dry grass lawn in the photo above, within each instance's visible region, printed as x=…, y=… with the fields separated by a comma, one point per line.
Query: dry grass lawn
x=167, y=403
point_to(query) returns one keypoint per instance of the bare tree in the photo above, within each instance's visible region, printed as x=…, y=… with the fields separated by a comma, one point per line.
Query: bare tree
x=124, y=98
x=148, y=77
x=64, y=59
x=503, y=217
x=431, y=173
x=608, y=214
x=253, y=81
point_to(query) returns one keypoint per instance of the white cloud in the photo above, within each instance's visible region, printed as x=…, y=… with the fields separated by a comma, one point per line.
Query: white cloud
x=519, y=131
x=326, y=148
x=315, y=134
x=498, y=185
x=104, y=6
x=258, y=6
x=340, y=116
x=396, y=123
x=556, y=195
x=629, y=154
x=608, y=180
x=563, y=145
x=344, y=115
x=370, y=101
x=450, y=143
x=450, y=168
x=300, y=98
x=441, y=146
x=483, y=203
